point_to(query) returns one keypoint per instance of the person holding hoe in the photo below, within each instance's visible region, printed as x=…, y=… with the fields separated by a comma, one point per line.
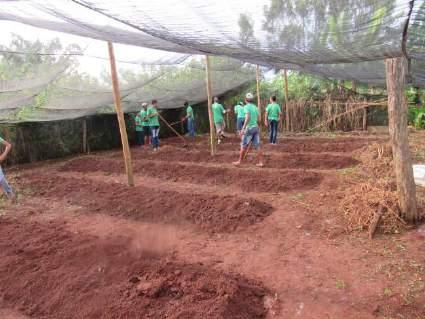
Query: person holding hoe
x=3, y=181
x=190, y=117
x=218, y=112
x=250, y=131
x=153, y=119
x=272, y=119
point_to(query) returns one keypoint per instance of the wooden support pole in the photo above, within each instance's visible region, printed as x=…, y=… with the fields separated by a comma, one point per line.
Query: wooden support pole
x=210, y=113
x=285, y=75
x=396, y=70
x=260, y=111
x=120, y=115
x=84, y=135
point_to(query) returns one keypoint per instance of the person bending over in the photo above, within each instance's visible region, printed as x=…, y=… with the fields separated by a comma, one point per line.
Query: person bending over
x=272, y=119
x=250, y=132
x=152, y=115
x=218, y=112
x=3, y=181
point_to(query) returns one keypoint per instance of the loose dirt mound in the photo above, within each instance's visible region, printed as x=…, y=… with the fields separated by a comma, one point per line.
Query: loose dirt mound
x=48, y=272
x=210, y=212
x=281, y=161
x=247, y=180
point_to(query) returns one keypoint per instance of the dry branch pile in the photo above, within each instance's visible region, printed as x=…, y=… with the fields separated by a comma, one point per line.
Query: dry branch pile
x=373, y=204
x=363, y=201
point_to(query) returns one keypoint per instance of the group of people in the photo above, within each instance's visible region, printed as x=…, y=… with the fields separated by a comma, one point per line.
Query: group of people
x=147, y=124
x=247, y=124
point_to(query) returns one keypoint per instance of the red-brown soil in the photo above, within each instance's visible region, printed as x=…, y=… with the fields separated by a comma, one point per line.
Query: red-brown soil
x=210, y=212
x=271, y=160
x=246, y=180
x=48, y=272
x=199, y=238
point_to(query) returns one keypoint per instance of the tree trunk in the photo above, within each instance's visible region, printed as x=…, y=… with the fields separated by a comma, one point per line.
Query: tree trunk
x=396, y=70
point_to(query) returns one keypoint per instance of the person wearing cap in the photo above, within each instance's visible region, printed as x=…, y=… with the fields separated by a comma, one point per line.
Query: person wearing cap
x=272, y=119
x=240, y=116
x=145, y=123
x=153, y=118
x=218, y=112
x=250, y=131
x=190, y=117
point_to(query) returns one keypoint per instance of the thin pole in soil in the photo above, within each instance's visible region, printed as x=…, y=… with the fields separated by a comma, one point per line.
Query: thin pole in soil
x=285, y=76
x=120, y=116
x=258, y=96
x=172, y=128
x=84, y=135
x=210, y=114
x=396, y=70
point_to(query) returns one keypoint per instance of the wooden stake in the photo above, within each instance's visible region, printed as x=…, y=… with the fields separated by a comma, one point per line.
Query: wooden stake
x=285, y=75
x=84, y=135
x=259, y=98
x=365, y=119
x=210, y=113
x=396, y=69
x=120, y=115
x=172, y=128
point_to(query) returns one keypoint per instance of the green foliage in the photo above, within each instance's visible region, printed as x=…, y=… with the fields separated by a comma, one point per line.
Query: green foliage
x=417, y=117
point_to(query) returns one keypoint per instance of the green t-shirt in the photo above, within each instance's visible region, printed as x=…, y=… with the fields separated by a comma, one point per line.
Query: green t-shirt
x=253, y=115
x=153, y=121
x=1, y=140
x=218, y=111
x=138, y=120
x=273, y=111
x=189, y=112
x=145, y=121
x=239, y=111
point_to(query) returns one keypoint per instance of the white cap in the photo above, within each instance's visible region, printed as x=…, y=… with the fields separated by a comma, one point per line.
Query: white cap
x=249, y=96
x=144, y=104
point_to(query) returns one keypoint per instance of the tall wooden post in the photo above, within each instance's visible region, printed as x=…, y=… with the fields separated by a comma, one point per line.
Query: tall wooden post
x=396, y=69
x=260, y=111
x=84, y=135
x=285, y=75
x=120, y=115
x=210, y=113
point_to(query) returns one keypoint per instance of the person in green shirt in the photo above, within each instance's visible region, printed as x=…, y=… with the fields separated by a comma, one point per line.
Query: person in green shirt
x=272, y=119
x=218, y=112
x=190, y=117
x=250, y=132
x=240, y=116
x=3, y=181
x=145, y=123
x=139, y=130
x=153, y=119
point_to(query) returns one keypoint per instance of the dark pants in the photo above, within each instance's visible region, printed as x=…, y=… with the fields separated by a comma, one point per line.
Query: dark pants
x=140, y=138
x=273, y=124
